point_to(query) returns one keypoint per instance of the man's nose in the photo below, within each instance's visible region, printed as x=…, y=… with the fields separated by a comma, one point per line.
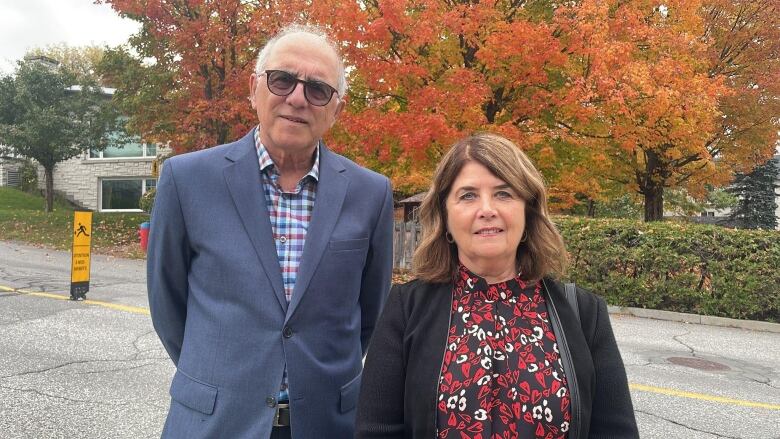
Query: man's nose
x=297, y=97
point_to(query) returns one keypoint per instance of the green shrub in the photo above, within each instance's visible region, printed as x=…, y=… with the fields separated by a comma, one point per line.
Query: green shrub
x=28, y=177
x=146, y=202
x=682, y=267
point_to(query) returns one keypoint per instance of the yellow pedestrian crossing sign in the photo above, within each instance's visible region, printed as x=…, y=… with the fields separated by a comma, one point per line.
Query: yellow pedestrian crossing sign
x=80, y=256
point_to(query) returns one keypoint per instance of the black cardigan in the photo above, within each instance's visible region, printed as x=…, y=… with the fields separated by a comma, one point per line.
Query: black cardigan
x=398, y=395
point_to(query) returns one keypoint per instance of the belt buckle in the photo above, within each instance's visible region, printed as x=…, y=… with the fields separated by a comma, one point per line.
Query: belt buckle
x=282, y=421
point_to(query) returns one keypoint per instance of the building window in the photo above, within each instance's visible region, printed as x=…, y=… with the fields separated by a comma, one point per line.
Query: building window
x=128, y=150
x=123, y=194
x=10, y=178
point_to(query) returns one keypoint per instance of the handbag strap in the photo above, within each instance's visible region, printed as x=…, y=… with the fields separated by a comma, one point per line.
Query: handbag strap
x=571, y=297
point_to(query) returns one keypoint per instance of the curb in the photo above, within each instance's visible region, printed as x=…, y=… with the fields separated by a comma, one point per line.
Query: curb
x=672, y=316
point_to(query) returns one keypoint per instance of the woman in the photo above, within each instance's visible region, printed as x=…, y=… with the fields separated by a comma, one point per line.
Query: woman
x=483, y=344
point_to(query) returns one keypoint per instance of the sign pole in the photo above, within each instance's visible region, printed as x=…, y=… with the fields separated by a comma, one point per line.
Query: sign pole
x=80, y=255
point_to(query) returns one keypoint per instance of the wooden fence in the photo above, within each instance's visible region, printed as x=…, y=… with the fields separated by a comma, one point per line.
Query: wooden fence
x=406, y=236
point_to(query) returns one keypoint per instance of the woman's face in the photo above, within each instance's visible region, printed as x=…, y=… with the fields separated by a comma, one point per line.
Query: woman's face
x=486, y=217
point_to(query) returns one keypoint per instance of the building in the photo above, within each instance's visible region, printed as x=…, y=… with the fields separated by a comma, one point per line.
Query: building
x=9, y=171
x=112, y=180
x=409, y=207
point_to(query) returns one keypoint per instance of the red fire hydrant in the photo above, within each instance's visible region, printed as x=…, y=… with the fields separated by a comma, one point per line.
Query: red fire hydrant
x=143, y=232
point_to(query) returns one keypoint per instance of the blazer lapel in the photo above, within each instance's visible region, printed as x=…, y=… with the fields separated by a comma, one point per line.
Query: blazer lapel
x=245, y=185
x=331, y=190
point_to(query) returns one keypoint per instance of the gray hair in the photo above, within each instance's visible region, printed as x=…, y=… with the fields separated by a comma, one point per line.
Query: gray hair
x=317, y=33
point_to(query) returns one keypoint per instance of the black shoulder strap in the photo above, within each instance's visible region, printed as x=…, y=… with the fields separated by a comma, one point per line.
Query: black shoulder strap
x=571, y=297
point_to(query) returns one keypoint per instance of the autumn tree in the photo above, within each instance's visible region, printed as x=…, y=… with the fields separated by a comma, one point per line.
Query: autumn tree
x=650, y=105
x=660, y=108
x=184, y=79
x=48, y=116
x=414, y=89
x=744, y=52
x=428, y=72
x=607, y=97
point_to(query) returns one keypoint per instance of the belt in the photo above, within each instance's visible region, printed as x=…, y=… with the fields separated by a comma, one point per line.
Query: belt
x=282, y=415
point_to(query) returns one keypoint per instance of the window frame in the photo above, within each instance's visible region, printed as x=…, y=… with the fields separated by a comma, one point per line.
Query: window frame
x=144, y=153
x=144, y=189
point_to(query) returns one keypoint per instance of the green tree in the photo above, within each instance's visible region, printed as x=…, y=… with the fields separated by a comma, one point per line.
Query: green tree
x=48, y=116
x=681, y=202
x=141, y=93
x=757, y=200
x=82, y=61
x=626, y=205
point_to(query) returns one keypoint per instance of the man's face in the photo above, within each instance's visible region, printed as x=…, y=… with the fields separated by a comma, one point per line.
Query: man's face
x=289, y=123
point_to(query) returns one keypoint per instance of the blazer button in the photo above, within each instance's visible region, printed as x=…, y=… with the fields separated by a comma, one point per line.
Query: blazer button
x=287, y=332
x=270, y=401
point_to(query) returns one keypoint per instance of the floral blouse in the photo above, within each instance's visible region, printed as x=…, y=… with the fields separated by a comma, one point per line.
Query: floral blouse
x=502, y=375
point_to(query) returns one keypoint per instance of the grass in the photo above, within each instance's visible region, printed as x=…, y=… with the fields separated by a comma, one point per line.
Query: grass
x=23, y=219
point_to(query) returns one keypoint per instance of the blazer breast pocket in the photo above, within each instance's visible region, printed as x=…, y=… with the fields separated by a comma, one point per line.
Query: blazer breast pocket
x=348, y=244
x=193, y=394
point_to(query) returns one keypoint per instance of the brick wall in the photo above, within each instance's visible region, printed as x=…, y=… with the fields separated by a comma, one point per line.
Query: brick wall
x=78, y=179
x=9, y=173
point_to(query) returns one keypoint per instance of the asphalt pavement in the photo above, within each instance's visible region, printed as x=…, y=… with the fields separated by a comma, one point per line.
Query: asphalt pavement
x=95, y=369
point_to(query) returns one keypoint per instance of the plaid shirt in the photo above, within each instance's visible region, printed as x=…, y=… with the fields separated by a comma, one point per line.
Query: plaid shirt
x=290, y=212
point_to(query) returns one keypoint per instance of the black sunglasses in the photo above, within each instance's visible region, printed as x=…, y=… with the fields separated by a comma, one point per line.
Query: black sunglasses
x=283, y=83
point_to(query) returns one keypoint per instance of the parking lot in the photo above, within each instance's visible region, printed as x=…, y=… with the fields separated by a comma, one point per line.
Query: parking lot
x=95, y=369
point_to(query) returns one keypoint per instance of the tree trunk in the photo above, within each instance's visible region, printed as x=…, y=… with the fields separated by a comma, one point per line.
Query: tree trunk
x=591, y=208
x=49, y=174
x=654, y=203
x=651, y=186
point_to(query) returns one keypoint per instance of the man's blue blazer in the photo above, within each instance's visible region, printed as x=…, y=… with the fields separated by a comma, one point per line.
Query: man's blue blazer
x=217, y=300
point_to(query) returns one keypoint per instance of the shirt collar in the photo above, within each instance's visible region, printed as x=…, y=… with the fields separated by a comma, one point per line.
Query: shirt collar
x=266, y=162
x=467, y=282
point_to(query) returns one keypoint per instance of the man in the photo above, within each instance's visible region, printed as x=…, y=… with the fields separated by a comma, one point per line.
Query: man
x=269, y=261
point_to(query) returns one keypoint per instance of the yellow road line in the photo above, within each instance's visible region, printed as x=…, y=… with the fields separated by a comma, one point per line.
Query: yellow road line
x=702, y=396
x=118, y=307
x=114, y=306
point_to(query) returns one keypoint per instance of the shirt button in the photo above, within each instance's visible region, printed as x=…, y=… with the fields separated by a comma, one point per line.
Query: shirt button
x=270, y=401
x=282, y=239
x=287, y=332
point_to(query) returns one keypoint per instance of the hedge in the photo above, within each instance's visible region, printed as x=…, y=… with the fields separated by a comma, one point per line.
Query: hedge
x=684, y=267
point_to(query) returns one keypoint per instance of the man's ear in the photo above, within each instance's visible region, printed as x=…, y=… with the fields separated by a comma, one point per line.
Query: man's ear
x=253, y=79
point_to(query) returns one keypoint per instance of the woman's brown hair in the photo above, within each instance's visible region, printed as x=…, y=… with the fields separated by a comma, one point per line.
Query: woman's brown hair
x=541, y=252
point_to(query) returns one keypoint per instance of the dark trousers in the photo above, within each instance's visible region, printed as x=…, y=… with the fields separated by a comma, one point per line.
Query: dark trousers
x=281, y=433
